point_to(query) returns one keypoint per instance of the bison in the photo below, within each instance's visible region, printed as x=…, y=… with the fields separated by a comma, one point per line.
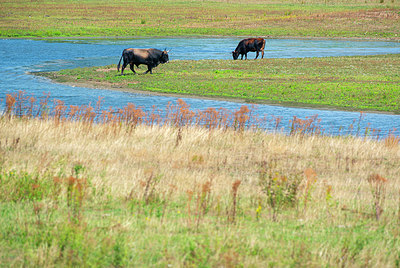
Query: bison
x=249, y=44
x=135, y=56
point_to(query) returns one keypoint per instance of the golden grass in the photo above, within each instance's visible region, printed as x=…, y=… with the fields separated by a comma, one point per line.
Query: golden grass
x=122, y=158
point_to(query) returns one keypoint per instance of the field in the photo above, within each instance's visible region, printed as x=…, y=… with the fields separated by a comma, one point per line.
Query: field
x=129, y=18
x=126, y=192
x=347, y=83
x=85, y=187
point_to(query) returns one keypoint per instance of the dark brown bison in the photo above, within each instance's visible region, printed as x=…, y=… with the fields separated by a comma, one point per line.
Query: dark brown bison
x=249, y=44
x=135, y=56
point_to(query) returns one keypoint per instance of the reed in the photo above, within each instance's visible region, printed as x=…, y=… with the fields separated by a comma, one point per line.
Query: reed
x=378, y=190
x=235, y=188
x=179, y=115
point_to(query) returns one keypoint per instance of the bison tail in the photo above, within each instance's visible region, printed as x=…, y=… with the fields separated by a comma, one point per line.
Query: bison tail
x=119, y=63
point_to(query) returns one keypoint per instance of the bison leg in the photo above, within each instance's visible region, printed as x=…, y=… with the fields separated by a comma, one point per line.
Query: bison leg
x=262, y=54
x=256, y=54
x=149, y=69
x=132, y=68
x=123, y=68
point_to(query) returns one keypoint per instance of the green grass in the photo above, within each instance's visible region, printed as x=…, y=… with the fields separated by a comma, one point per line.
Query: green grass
x=350, y=83
x=129, y=18
x=113, y=231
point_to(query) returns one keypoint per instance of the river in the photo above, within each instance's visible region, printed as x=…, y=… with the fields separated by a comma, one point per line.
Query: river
x=20, y=57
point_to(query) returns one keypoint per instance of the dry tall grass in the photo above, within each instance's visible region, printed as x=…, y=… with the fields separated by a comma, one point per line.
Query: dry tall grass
x=121, y=158
x=186, y=148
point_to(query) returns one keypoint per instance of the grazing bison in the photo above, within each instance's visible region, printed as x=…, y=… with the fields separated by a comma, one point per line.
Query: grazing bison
x=135, y=56
x=249, y=44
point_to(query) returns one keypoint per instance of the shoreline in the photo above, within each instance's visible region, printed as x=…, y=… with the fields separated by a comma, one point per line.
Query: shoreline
x=366, y=39
x=103, y=86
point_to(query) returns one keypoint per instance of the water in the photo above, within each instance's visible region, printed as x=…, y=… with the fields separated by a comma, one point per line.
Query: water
x=19, y=57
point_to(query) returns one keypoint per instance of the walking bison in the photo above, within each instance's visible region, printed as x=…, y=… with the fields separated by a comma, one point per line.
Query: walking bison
x=136, y=56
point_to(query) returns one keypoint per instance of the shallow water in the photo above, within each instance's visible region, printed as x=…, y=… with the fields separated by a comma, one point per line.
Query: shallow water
x=20, y=57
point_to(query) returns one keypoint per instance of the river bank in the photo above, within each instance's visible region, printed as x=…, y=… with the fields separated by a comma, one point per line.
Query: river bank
x=93, y=38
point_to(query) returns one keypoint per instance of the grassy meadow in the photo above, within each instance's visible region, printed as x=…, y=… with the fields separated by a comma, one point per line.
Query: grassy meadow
x=353, y=83
x=126, y=192
x=129, y=18
x=84, y=187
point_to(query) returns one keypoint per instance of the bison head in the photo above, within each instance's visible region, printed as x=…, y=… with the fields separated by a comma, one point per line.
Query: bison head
x=164, y=57
x=235, y=54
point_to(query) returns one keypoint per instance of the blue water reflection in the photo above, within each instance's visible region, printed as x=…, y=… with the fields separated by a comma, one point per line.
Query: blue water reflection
x=19, y=57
